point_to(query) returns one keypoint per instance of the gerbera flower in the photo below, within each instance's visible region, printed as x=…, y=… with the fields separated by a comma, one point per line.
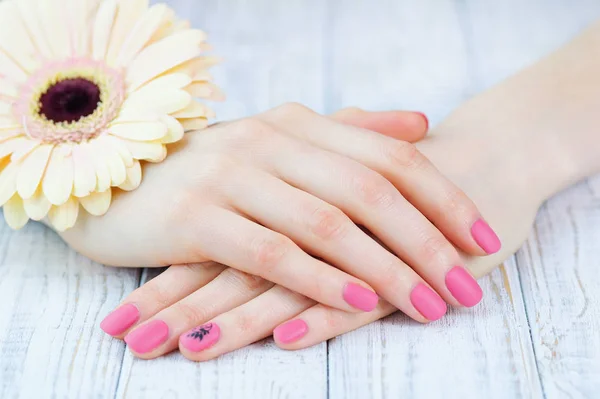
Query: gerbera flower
x=88, y=89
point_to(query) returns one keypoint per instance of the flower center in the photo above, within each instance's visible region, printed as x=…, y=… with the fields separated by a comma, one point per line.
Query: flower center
x=70, y=100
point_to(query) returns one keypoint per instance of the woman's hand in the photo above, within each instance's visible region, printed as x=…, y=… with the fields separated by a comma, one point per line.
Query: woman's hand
x=208, y=309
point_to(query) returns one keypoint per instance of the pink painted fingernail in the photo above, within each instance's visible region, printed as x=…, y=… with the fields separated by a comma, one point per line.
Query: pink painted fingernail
x=360, y=298
x=425, y=119
x=463, y=287
x=120, y=320
x=485, y=237
x=148, y=337
x=428, y=302
x=201, y=338
x=291, y=331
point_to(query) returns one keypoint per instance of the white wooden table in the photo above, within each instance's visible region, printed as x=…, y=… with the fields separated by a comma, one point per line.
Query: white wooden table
x=535, y=335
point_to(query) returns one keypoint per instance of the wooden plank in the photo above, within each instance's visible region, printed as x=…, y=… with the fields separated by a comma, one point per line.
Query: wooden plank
x=51, y=302
x=559, y=271
x=274, y=55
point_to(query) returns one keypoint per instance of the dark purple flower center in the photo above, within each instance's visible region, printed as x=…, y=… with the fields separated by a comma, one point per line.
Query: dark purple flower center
x=70, y=100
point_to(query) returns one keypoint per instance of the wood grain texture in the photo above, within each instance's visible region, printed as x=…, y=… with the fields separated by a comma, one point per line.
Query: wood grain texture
x=536, y=333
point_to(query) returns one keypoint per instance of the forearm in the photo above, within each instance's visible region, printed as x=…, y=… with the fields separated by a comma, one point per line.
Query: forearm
x=545, y=120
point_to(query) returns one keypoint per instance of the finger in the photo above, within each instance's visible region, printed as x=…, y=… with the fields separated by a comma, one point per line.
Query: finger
x=243, y=325
x=400, y=125
x=372, y=201
x=326, y=232
x=402, y=164
x=235, y=241
x=160, y=334
x=172, y=285
x=321, y=323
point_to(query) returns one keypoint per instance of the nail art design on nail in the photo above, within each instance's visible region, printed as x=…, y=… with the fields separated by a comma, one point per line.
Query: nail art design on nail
x=201, y=338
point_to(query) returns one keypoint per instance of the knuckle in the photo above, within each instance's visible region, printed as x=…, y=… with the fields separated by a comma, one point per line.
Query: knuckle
x=192, y=314
x=334, y=320
x=252, y=129
x=245, y=324
x=269, y=251
x=328, y=223
x=244, y=281
x=375, y=191
x=435, y=248
x=153, y=293
x=402, y=154
x=291, y=109
x=456, y=201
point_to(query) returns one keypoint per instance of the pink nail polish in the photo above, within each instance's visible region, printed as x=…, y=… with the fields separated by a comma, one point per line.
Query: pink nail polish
x=291, y=331
x=463, y=287
x=425, y=119
x=360, y=298
x=120, y=320
x=428, y=302
x=201, y=338
x=485, y=237
x=148, y=337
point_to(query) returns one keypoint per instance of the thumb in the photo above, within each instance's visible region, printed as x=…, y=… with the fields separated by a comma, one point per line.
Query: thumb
x=401, y=125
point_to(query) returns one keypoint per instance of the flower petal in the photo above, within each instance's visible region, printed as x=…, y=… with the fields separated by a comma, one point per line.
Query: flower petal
x=157, y=102
x=141, y=33
x=55, y=27
x=97, y=204
x=29, y=13
x=8, y=181
x=63, y=217
x=9, y=146
x=194, y=124
x=38, y=206
x=102, y=28
x=116, y=166
x=32, y=170
x=175, y=130
x=194, y=110
x=129, y=12
x=14, y=213
x=84, y=173
x=24, y=149
x=103, y=178
x=139, y=131
x=147, y=151
x=118, y=145
x=206, y=90
x=134, y=177
x=164, y=55
x=10, y=69
x=58, y=180
x=196, y=65
x=14, y=38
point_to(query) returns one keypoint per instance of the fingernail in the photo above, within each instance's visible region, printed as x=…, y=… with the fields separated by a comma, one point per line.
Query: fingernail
x=428, y=302
x=463, y=287
x=425, y=119
x=148, y=337
x=120, y=320
x=360, y=298
x=485, y=237
x=201, y=338
x=291, y=331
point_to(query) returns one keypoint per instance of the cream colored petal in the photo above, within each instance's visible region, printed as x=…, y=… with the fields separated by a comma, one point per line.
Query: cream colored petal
x=97, y=204
x=14, y=38
x=6, y=135
x=14, y=213
x=141, y=33
x=116, y=166
x=11, y=70
x=103, y=26
x=118, y=145
x=196, y=65
x=194, y=124
x=24, y=149
x=8, y=181
x=139, y=131
x=58, y=180
x=147, y=151
x=175, y=130
x=165, y=82
x=32, y=170
x=38, y=206
x=9, y=146
x=64, y=217
x=55, y=27
x=6, y=109
x=164, y=55
x=157, y=102
x=103, y=178
x=29, y=13
x=129, y=12
x=8, y=89
x=194, y=110
x=206, y=90
x=84, y=173
x=134, y=177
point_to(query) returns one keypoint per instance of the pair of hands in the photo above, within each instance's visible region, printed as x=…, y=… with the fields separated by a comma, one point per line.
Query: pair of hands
x=266, y=194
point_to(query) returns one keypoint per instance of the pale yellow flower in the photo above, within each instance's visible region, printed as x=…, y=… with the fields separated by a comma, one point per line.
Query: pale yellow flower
x=88, y=89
